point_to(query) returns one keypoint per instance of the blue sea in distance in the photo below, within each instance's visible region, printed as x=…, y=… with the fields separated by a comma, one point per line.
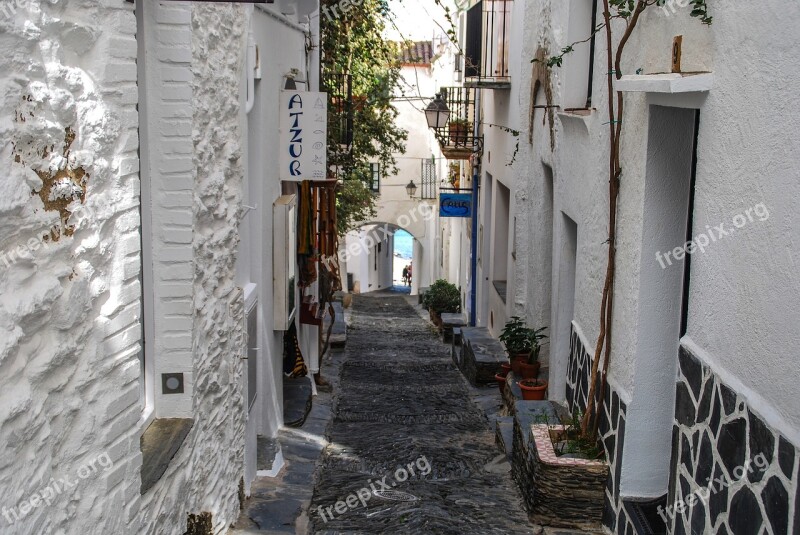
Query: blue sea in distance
x=404, y=244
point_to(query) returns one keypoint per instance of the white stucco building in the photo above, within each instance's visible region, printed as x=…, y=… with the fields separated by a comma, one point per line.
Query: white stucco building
x=138, y=142
x=700, y=380
x=426, y=65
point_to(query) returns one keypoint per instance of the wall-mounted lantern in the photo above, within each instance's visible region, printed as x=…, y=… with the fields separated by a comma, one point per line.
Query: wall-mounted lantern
x=437, y=113
x=411, y=188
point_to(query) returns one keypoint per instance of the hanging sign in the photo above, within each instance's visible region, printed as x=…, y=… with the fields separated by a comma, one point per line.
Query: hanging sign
x=303, y=135
x=455, y=205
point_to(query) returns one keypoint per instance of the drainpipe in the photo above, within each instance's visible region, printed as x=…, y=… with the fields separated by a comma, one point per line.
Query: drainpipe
x=473, y=298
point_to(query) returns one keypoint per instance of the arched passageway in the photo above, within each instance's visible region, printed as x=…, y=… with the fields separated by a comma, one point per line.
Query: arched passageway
x=374, y=255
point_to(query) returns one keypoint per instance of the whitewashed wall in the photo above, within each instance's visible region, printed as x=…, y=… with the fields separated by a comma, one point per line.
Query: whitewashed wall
x=206, y=473
x=70, y=337
x=281, y=45
x=71, y=308
x=743, y=288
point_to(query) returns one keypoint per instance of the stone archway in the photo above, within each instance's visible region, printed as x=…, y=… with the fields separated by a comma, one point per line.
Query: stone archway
x=367, y=254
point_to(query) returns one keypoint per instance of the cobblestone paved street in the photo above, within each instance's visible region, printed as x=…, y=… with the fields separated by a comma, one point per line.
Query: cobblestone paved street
x=403, y=408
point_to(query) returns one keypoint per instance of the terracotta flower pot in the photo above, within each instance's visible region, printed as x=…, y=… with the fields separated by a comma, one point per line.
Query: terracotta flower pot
x=530, y=371
x=516, y=364
x=533, y=389
x=504, y=369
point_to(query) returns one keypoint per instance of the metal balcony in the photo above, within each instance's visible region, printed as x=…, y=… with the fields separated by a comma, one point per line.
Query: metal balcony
x=486, y=57
x=340, y=116
x=458, y=140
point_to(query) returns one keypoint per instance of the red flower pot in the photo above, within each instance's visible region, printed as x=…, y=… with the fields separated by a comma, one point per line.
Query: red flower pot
x=533, y=389
x=516, y=364
x=530, y=371
x=504, y=369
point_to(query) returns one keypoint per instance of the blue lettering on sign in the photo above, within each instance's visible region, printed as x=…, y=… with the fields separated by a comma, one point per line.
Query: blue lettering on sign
x=296, y=141
x=455, y=205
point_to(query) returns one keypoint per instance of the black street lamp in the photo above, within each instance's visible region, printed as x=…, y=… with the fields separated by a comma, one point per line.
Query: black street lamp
x=411, y=189
x=437, y=113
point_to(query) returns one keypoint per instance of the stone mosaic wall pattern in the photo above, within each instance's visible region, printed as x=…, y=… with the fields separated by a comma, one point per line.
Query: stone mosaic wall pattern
x=716, y=435
x=612, y=429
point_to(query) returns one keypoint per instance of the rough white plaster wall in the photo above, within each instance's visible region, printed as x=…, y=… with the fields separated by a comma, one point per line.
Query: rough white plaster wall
x=744, y=289
x=205, y=475
x=69, y=310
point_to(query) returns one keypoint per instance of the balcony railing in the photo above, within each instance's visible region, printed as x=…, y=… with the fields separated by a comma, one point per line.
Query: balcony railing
x=458, y=140
x=428, y=178
x=340, y=109
x=487, y=45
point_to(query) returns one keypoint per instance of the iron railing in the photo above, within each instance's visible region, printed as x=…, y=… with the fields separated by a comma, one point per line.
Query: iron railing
x=340, y=109
x=458, y=139
x=428, y=178
x=487, y=43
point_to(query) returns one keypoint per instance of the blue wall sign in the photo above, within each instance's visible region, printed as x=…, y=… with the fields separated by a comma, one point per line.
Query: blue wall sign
x=455, y=205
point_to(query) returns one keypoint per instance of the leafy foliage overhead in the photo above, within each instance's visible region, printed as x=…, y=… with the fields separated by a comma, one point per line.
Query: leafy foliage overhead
x=352, y=44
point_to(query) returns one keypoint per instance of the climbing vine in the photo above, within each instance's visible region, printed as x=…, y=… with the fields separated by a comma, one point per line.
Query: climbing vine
x=629, y=11
x=514, y=133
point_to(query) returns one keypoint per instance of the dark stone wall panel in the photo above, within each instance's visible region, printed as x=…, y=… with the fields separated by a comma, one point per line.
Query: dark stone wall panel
x=740, y=472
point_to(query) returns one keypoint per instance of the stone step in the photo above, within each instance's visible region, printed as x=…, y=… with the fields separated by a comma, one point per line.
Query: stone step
x=504, y=434
x=297, y=395
x=450, y=322
x=481, y=355
x=269, y=458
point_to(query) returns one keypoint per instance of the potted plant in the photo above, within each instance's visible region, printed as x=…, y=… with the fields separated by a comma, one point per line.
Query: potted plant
x=518, y=339
x=459, y=131
x=533, y=389
x=442, y=297
x=455, y=174
x=530, y=368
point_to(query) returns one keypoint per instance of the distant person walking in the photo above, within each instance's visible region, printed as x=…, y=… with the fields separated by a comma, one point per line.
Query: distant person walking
x=410, y=268
x=405, y=275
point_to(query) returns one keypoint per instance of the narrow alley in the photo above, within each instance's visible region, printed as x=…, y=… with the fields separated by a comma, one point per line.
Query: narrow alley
x=333, y=267
x=403, y=410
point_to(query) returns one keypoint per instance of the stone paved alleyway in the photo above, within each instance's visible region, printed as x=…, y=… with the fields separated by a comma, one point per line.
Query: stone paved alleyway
x=402, y=403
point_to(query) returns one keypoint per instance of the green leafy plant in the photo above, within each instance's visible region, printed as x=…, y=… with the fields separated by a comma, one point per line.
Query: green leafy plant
x=536, y=341
x=353, y=44
x=442, y=297
x=573, y=442
x=461, y=123
x=520, y=339
x=570, y=440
